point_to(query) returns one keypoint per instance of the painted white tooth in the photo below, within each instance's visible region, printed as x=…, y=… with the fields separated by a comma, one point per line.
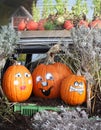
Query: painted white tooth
x=71, y=89
x=43, y=90
x=79, y=90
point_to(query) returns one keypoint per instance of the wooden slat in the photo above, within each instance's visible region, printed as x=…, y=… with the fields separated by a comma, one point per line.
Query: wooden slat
x=41, y=41
x=45, y=33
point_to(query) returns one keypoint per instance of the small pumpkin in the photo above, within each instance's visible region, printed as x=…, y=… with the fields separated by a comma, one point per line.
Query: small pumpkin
x=17, y=83
x=73, y=90
x=96, y=23
x=32, y=25
x=83, y=23
x=47, y=79
x=41, y=24
x=68, y=25
x=22, y=25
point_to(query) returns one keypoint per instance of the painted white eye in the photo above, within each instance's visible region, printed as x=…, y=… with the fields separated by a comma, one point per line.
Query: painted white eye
x=81, y=84
x=27, y=75
x=38, y=78
x=49, y=76
x=76, y=83
x=18, y=75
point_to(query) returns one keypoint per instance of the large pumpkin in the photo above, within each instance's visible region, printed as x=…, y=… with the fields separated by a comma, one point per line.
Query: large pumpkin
x=17, y=83
x=47, y=80
x=73, y=90
x=63, y=70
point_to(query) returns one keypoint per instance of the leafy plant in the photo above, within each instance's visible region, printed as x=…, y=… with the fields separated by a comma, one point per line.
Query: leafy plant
x=97, y=7
x=79, y=8
x=50, y=25
x=35, y=12
x=8, y=41
x=48, y=8
x=61, y=6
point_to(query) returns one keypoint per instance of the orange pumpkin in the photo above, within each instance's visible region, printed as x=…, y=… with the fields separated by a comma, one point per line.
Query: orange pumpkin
x=41, y=24
x=95, y=23
x=73, y=90
x=68, y=25
x=63, y=70
x=83, y=23
x=17, y=83
x=47, y=80
x=22, y=25
x=32, y=25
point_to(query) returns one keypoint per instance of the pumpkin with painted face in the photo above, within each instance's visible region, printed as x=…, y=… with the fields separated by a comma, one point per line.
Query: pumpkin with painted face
x=47, y=79
x=17, y=83
x=73, y=90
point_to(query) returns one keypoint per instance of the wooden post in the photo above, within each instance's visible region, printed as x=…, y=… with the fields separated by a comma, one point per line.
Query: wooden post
x=88, y=97
x=28, y=60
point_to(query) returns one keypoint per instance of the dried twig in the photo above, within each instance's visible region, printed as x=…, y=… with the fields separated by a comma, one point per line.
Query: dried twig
x=88, y=98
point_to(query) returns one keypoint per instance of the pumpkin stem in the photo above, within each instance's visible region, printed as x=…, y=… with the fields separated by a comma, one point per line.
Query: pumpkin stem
x=15, y=62
x=51, y=53
x=79, y=72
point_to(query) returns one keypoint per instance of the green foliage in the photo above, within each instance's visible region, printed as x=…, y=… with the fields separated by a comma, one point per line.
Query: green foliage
x=97, y=7
x=50, y=26
x=61, y=6
x=79, y=8
x=22, y=57
x=48, y=8
x=36, y=13
x=8, y=40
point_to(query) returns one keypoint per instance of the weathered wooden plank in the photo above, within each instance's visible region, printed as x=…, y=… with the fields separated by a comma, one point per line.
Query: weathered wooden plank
x=46, y=33
x=41, y=41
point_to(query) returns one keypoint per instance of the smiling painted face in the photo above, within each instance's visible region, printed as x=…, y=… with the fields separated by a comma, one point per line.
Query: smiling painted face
x=45, y=81
x=22, y=80
x=17, y=83
x=73, y=90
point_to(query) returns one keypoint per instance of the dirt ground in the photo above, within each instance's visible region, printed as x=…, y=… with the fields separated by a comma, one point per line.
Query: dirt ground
x=71, y=119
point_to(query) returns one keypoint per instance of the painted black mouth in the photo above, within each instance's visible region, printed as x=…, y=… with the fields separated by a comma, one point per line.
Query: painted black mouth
x=46, y=92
